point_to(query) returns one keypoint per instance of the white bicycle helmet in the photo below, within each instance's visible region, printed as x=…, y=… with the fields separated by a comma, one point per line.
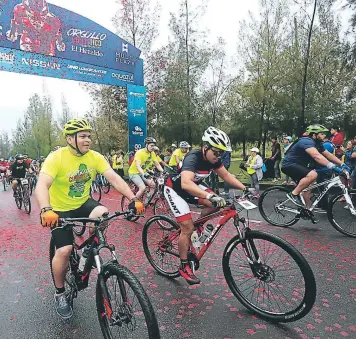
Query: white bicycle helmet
x=184, y=144
x=217, y=138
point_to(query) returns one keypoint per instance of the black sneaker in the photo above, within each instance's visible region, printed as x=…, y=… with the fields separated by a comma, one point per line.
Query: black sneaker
x=63, y=308
x=295, y=199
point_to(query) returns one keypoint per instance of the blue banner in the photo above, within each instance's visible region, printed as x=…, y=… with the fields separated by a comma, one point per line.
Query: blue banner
x=40, y=65
x=39, y=27
x=137, y=116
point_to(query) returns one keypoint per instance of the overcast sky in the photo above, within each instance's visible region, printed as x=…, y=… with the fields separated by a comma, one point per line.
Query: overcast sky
x=222, y=19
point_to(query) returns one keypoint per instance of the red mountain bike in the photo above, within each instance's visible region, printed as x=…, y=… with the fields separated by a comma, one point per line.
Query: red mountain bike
x=265, y=273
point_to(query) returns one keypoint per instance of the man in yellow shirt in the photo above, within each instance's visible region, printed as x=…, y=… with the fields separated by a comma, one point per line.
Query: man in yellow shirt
x=144, y=161
x=63, y=191
x=179, y=154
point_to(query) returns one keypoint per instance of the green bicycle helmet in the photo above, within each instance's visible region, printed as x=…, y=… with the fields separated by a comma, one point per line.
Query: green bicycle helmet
x=316, y=128
x=76, y=125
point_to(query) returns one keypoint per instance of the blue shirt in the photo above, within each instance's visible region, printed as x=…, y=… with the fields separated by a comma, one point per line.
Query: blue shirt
x=296, y=154
x=328, y=146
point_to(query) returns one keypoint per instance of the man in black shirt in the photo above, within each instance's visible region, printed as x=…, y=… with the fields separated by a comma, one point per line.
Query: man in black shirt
x=18, y=170
x=276, y=158
x=185, y=188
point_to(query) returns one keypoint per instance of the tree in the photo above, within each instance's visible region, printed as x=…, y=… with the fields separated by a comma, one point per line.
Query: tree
x=5, y=145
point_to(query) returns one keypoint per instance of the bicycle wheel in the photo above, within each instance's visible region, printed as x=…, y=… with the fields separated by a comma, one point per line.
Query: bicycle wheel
x=124, y=309
x=106, y=188
x=341, y=217
x=26, y=199
x=161, y=245
x=161, y=207
x=95, y=191
x=79, y=229
x=4, y=183
x=18, y=199
x=275, y=207
x=279, y=286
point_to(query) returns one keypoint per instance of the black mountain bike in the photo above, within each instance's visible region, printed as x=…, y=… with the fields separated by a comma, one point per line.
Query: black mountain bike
x=123, y=307
x=22, y=195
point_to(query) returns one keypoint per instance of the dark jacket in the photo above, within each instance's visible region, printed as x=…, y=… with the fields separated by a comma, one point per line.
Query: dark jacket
x=226, y=159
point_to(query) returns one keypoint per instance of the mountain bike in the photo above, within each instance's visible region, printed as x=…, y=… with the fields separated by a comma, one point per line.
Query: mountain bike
x=265, y=273
x=22, y=195
x=32, y=181
x=156, y=199
x=95, y=191
x=122, y=304
x=278, y=210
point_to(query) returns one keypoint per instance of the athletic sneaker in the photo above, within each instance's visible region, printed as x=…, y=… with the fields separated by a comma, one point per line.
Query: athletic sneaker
x=63, y=308
x=295, y=199
x=188, y=275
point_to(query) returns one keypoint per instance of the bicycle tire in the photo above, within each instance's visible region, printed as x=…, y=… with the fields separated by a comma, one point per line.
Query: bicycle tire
x=18, y=201
x=4, y=184
x=102, y=298
x=79, y=230
x=94, y=187
x=106, y=188
x=26, y=199
x=263, y=209
x=124, y=205
x=331, y=216
x=146, y=238
x=303, y=307
x=156, y=211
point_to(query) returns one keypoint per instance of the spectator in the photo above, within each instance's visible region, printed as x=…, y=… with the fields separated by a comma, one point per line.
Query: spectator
x=337, y=138
x=254, y=169
x=287, y=142
x=276, y=158
x=226, y=161
x=350, y=160
x=168, y=155
x=120, y=163
x=131, y=157
x=354, y=141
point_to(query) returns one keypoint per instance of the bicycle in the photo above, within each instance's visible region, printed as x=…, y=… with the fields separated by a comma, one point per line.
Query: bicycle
x=156, y=200
x=279, y=211
x=111, y=275
x=32, y=179
x=22, y=195
x=95, y=191
x=267, y=264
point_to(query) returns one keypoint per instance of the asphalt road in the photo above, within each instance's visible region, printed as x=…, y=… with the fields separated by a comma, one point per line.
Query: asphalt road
x=205, y=311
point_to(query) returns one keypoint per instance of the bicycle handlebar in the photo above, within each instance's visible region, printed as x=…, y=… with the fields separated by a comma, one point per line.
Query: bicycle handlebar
x=65, y=221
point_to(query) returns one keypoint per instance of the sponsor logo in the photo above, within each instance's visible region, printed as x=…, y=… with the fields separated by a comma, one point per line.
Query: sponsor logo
x=137, y=94
x=172, y=204
x=87, y=69
x=84, y=50
x=137, y=147
x=137, y=131
x=41, y=64
x=124, y=57
x=125, y=77
x=7, y=58
x=137, y=112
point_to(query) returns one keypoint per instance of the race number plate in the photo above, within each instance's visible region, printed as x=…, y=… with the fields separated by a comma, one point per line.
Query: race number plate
x=24, y=181
x=246, y=204
x=160, y=181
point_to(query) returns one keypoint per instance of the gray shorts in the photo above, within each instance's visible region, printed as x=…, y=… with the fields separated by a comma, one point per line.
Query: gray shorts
x=139, y=180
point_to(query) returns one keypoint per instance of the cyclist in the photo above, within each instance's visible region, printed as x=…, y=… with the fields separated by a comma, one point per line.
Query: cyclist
x=298, y=157
x=18, y=170
x=185, y=188
x=157, y=151
x=3, y=167
x=63, y=191
x=178, y=154
x=144, y=160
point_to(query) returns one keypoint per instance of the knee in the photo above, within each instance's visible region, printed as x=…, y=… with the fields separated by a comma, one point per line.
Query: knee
x=64, y=252
x=187, y=227
x=313, y=175
x=99, y=211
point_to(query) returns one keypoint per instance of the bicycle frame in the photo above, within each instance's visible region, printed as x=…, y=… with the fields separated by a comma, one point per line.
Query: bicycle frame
x=226, y=214
x=334, y=182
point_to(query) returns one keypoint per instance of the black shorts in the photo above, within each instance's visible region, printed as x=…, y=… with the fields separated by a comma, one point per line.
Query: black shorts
x=296, y=172
x=64, y=237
